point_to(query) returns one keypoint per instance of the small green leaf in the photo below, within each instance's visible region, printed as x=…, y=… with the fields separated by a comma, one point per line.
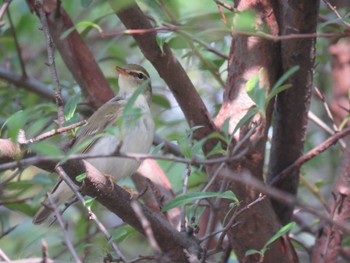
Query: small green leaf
x=14, y=123
x=251, y=112
x=216, y=150
x=252, y=84
x=225, y=128
x=158, y=148
x=344, y=122
x=79, y=178
x=255, y=92
x=85, y=3
x=285, y=76
x=280, y=233
x=196, y=148
x=217, y=135
x=121, y=233
x=252, y=252
x=71, y=105
x=319, y=184
x=161, y=100
x=46, y=148
x=185, y=147
x=82, y=24
x=276, y=91
x=89, y=202
x=191, y=197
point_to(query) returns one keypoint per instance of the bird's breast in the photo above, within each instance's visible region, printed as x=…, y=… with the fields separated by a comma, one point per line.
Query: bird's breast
x=136, y=138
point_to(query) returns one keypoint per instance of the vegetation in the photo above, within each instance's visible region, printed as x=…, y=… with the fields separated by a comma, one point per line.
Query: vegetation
x=248, y=98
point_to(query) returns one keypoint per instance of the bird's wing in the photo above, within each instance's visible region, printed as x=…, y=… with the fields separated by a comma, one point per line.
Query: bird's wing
x=105, y=116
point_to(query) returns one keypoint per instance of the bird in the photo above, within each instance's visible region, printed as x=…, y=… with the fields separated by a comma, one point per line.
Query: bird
x=135, y=135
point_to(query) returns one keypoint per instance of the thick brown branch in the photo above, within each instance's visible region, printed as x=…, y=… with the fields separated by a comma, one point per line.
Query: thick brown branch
x=292, y=106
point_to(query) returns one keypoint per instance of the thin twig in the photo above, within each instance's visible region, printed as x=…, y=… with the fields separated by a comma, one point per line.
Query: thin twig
x=227, y=6
x=51, y=61
x=19, y=52
x=4, y=256
x=326, y=107
x=315, y=119
x=167, y=11
x=3, y=9
x=246, y=178
x=145, y=225
x=100, y=226
x=184, y=191
x=231, y=223
x=54, y=132
x=136, y=156
x=62, y=225
x=334, y=9
x=45, y=252
x=311, y=154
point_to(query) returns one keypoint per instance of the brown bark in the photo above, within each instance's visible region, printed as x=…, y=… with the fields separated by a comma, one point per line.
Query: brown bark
x=292, y=105
x=247, y=56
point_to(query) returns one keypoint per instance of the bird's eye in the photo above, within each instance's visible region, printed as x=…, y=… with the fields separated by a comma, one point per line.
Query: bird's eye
x=140, y=76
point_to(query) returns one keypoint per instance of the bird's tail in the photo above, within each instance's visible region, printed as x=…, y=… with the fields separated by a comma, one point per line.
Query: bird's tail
x=60, y=194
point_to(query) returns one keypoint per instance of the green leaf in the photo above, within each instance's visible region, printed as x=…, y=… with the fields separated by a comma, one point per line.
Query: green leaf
x=252, y=252
x=82, y=24
x=14, y=123
x=71, y=105
x=344, y=122
x=276, y=91
x=191, y=197
x=216, y=150
x=21, y=207
x=89, y=201
x=196, y=148
x=278, y=87
x=255, y=92
x=225, y=127
x=185, y=147
x=158, y=148
x=244, y=21
x=285, y=76
x=85, y=3
x=161, y=100
x=46, y=148
x=280, y=233
x=251, y=112
x=217, y=135
x=121, y=233
x=79, y=178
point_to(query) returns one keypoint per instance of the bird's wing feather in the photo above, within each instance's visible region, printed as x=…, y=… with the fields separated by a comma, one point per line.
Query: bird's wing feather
x=105, y=116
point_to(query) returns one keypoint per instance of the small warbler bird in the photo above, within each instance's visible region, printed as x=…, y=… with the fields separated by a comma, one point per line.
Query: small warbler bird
x=135, y=135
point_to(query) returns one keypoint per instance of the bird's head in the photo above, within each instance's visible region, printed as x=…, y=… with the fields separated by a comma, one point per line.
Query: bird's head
x=132, y=76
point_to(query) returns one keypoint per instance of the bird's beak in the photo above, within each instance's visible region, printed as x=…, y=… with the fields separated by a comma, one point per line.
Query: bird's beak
x=122, y=71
